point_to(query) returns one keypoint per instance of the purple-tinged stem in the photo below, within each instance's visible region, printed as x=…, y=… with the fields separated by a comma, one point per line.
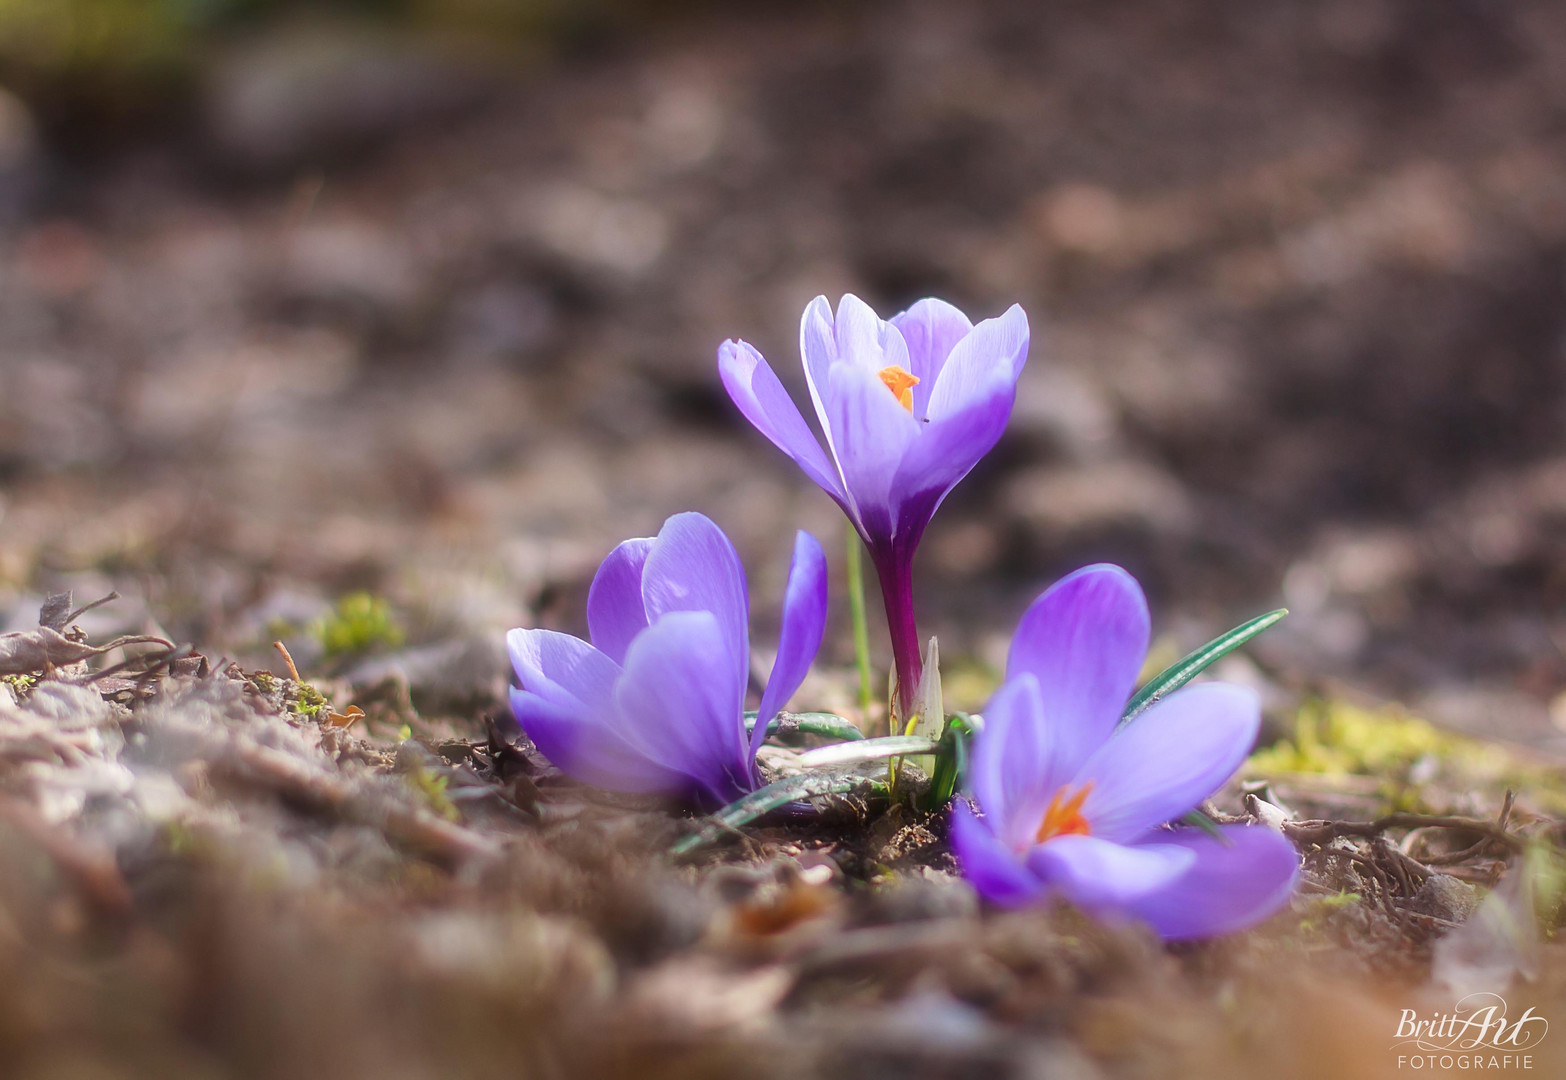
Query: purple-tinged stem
x=896, y=576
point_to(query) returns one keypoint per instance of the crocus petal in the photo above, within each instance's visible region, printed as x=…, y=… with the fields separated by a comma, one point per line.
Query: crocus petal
x=804, y=623
x=564, y=670
x=682, y=697
x=947, y=450
x=1095, y=874
x=694, y=567
x=1014, y=768
x=989, y=865
x=996, y=348
x=1169, y=759
x=930, y=328
x=818, y=350
x=1230, y=884
x=872, y=432
x=754, y=387
x=615, y=613
x=567, y=707
x=588, y=746
x=865, y=340
x=1084, y=640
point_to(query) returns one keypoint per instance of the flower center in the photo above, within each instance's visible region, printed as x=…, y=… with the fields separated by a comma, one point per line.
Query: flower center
x=900, y=383
x=1064, y=816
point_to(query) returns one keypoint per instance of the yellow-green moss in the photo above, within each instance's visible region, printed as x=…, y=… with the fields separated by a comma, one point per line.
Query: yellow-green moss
x=433, y=787
x=1335, y=738
x=1319, y=909
x=308, y=701
x=21, y=685
x=358, y=623
x=1339, y=739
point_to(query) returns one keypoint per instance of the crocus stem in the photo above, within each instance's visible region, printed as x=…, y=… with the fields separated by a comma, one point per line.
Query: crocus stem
x=896, y=577
x=856, y=606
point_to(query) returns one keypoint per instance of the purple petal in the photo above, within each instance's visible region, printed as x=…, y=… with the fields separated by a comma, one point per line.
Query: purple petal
x=1014, y=771
x=818, y=350
x=1096, y=874
x=588, y=746
x=930, y=327
x=1084, y=640
x=1169, y=759
x=567, y=707
x=754, y=387
x=993, y=869
x=693, y=567
x=804, y=623
x=995, y=351
x=563, y=670
x=1228, y=887
x=615, y=613
x=685, y=703
x=865, y=340
x=945, y=451
x=871, y=431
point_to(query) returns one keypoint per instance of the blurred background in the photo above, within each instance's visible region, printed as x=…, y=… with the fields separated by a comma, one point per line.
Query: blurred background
x=421, y=299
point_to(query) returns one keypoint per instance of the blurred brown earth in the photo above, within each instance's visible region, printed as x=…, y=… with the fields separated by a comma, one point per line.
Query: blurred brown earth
x=382, y=310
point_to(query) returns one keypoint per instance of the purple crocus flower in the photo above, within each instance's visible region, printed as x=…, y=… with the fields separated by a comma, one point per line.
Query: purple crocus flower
x=656, y=702
x=908, y=406
x=1074, y=808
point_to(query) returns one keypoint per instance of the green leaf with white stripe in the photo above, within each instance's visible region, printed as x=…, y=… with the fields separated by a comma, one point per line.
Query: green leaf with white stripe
x=1190, y=666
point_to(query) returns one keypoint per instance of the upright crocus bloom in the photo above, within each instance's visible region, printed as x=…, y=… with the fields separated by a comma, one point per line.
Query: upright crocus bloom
x=1076, y=809
x=656, y=702
x=907, y=406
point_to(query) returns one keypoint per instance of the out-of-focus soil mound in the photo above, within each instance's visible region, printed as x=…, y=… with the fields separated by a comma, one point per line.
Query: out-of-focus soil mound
x=208, y=872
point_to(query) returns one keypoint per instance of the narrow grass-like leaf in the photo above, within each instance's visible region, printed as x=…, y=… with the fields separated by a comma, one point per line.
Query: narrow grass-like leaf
x=766, y=799
x=1190, y=666
x=1207, y=825
x=831, y=725
x=951, y=761
x=852, y=753
x=856, y=608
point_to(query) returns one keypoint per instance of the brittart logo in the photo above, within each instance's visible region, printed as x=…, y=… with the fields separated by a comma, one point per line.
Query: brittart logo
x=1476, y=1034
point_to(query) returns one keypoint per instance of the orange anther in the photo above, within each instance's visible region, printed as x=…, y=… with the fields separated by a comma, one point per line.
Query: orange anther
x=1064, y=816
x=900, y=383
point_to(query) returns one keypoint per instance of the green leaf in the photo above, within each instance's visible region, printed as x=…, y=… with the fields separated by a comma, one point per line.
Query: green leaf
x=856, y=608
x=766, y=799
x=1189, y=667
x=852, y=753
x=1207, y=825
x=951, y=761
x=810, y=723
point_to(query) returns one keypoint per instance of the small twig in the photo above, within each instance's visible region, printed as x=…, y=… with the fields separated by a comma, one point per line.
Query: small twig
x=288, y=659
x=158, y=660
x=1410, y=871
x=1452, y=858
x=85, y=608
x=1479, y=875
x=1434, y=920
x=1323, y=832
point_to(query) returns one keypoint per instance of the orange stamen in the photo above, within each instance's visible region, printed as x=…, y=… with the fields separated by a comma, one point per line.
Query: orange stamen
x=1064, y=816
x=900, y=383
